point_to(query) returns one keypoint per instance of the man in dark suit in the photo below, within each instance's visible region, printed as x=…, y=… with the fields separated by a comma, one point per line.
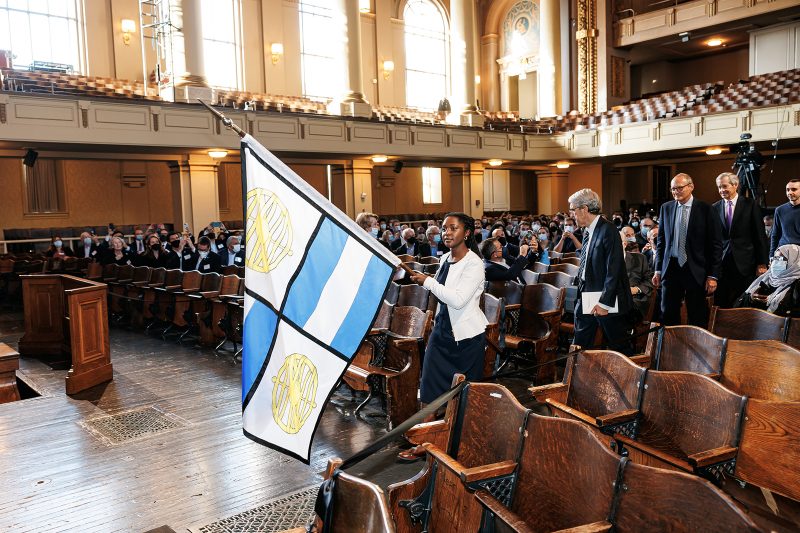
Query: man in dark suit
x=202, y=258
x=510, y=251
x=87, y=247
x=744, y=241
x=435, y=247
x=233, y=253
x=407, y=244
x=601, y=276
x=689, y=254
x=496, y=267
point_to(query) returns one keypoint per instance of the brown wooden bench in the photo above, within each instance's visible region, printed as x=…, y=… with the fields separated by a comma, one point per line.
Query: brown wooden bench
x=684, y=348
x=767, y=370
x=9, y=364
x=748, y=323
x=210, y=321
x=389, y=363
x=601, y=388
x=200, y=303
x=494, y=310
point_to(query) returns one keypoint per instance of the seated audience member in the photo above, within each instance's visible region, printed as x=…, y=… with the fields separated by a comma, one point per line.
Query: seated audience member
x=386, y=239
x=544, y=239
x=116, y=253
x=155, y=255
x=174, y=251
x=481, y=232
x=768, y=220
x=645, y=226
x=87, y=248
x=407, y=244
x=496, y=267
x=639, y=275
x=536, y=254
x=649, y=250
x=369, y=223
x=59, y=249
x=202, y=259
x=510, y=251
x=571, y=240
x=777, y=290
x=628, y=235
x=233, y=253
x=138, y=246
x=435, y=245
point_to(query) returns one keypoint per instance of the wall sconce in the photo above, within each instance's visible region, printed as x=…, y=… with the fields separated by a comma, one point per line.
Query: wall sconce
x=562, y=164
x=276, y=49
x=217, y=154
x=128, y=27
x=477, y=79
x=495, y=162
x=379, y=159
x=388, y=68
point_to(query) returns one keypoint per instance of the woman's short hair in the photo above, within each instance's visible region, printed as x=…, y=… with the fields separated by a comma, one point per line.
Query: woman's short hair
x=364, y=220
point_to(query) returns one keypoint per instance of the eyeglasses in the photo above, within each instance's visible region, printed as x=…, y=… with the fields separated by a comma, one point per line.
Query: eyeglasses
x=576, y=208
x=679, y=188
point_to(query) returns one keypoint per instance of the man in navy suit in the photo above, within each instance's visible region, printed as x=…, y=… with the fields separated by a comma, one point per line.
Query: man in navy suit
x=233, y=253
x=744, y=241
x=602, y=270
x=688, y=255
x=496, y=267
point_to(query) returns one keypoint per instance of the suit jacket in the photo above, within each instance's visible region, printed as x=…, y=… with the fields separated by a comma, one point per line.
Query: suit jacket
x=703, y=240
x=498, y=272
x=746, y=240
x=224, y=257
x=401, y=248
x=510, y=252
x=211, y=262
x=94, y=252
x=639, y=275
x=605, y=267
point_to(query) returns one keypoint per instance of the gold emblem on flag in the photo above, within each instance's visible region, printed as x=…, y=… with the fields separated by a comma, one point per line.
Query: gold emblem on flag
x=294, y=392
x=269, y=230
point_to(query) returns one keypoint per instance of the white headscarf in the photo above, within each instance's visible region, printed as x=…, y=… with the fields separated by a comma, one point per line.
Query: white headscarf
x=782, y=281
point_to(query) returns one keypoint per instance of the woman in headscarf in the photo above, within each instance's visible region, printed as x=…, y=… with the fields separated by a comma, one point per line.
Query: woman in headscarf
x=777, y=290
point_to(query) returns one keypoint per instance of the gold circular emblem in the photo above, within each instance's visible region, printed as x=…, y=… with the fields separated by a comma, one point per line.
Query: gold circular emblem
x=269, y=230
x=294, y=392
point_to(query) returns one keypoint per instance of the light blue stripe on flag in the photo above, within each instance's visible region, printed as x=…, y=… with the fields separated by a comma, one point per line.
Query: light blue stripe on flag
x=362, y=311
x=322, y=258
x=259, y=329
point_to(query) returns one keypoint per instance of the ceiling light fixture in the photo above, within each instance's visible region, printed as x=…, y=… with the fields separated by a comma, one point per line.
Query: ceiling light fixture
x=562, y=164
x=379, y=159
x=495, y=162
x=713, y=151
x=217, y=154
x=714, y=42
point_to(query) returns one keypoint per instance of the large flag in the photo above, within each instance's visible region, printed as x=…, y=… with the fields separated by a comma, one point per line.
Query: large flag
x=314, y=283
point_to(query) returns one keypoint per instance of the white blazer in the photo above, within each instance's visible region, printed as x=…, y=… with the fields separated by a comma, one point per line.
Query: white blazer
x=461, y=293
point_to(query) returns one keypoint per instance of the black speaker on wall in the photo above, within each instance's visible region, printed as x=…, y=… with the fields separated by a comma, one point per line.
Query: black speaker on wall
x=30, y=158
x=398, y=166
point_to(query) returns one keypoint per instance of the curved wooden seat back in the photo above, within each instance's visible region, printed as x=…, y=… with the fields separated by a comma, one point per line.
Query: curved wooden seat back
x=746, y=324
x=556, y=279
x=210, y=282
x=141, y=274
x=654, y=499
x=94, y=271
x=429, y=260
x=191, y=280
x=392, y=293
x=568, y=255
x=413, y=295
x=539, y=268
x=492, y=308
x=230, y=269
x=408, y=321
x=229, y=285
x=684, y=413
x=487, y=425
x=510, y=290
x=110, y=272
x=413, y=265
x=125, y=273
x=359, y=506
x=566, y=268
x=571, y=261
x=6, y=266
x=566, y=476
x=35, y=266
x=603, y=382
x=157, y=277
x=405, y=258
x=173, y=277
x=384, y=317
x=688, y=348
x=538, y=298
x=767, y=370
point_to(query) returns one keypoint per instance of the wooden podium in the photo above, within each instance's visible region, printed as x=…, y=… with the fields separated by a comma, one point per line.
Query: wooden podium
x=68, y=315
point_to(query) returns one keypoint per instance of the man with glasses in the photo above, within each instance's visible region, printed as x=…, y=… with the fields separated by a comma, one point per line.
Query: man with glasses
x=688, y=256
x=786, y=224
x=604, y=295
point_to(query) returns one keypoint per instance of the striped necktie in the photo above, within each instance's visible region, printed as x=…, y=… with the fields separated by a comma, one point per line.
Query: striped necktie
x=584, y=256
x=682, y=235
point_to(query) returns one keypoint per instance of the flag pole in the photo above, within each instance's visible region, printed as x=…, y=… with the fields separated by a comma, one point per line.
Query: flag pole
x=225, y=120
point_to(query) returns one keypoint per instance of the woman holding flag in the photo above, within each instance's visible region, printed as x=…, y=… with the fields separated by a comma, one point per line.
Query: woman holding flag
x=457, y=344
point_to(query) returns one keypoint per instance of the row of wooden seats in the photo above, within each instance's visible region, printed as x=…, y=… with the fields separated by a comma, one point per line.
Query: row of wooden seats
x=689, y=422
x=210, y=304
x=493, y=465
x=60, y=83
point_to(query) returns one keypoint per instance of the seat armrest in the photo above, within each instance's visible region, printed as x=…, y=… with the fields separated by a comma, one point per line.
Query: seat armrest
x=209, y=294
x=550, y=314
x=646, y=448
x=426, y=431
x=594, y=527
x=709, y=457
x=502, y=513
x=470, y=475
x=172, y=287
x=619, y=417
x=556, y=391
x=558, y=406
x=232, y=298
x=641, y=360
x=139, y=283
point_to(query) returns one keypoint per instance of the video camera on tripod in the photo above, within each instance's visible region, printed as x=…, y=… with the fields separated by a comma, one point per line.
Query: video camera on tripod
x=748, y=167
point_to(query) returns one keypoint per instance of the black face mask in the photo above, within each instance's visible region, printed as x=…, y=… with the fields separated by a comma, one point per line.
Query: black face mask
x=155, y=246
x=502, y=240
x=163, y=238
x=618, y=222
x=175, y=244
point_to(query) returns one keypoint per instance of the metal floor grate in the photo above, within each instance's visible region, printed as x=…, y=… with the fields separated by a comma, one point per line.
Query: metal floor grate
x=132, y=425
x=295, y=509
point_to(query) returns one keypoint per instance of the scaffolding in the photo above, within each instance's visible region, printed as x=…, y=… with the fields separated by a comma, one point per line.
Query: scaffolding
x=155, y=20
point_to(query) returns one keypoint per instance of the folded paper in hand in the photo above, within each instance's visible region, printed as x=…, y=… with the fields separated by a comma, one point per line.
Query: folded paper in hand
x=590, y=299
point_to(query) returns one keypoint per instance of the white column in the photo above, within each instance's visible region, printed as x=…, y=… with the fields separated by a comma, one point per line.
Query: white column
x=352, y=102
x=549, y=72
x=462, y=57
x=189, y=77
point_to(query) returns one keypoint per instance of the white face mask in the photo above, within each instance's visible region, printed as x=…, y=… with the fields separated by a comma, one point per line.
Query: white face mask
x=777, y=267
x=58, y=244
x=569, y=229
x=204, y=254
x=237, y=248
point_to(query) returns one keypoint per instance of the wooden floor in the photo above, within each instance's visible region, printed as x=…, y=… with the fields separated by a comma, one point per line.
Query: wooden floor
x=57, y=476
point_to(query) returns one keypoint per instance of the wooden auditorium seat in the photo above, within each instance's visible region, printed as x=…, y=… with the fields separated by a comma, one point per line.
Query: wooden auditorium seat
x=686, y=348
x=748, y=323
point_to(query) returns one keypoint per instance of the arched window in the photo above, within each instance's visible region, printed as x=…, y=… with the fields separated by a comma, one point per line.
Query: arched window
x=426, y=54
x=221, y=50
x=321, y=38
x=40, y=32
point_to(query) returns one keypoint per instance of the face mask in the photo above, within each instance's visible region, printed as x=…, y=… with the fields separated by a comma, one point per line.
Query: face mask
x=383, y=227
x=543, y=237
x=645, y=230
x=515, y=222
x=163, y=238
x=175, y=244
x=139, y=237
x=397, y=228
x=630, y=239
x=569, y=229
x=204, y=254
x=502, y=240
x=108, y=238
x=437, y=238
x=777, y=267
x=58, y=244
x=87, y=241
x=156, y=247
x=484, y=221
x=374, y=232
x=635, y=224
x=617, y=222
x=526, y=234
x=536, y=227
x=237, y=248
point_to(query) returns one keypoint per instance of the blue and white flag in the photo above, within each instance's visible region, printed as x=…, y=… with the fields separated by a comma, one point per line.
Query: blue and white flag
x=314, y=284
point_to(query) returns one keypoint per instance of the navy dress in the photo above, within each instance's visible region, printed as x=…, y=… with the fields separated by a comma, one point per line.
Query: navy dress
x=445, y=357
